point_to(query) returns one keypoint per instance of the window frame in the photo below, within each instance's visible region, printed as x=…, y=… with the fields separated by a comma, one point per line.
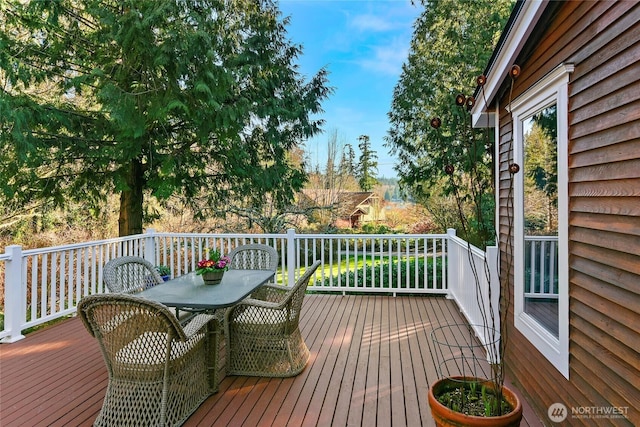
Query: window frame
x=551, y=89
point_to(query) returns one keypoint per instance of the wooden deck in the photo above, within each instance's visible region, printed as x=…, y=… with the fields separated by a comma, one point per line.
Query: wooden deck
x=370, y=365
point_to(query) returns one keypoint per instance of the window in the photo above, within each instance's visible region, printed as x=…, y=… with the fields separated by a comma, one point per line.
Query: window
x=541, y=216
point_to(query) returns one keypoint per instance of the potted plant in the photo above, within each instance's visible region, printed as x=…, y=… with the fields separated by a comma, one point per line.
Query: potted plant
x=470, y=358
x=164, y=272
x=213, y=267
x=477, y=397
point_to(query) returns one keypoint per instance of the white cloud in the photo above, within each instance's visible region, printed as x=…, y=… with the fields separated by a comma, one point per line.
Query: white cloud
x=371, y=23
x=388, y=58
x=383, y=34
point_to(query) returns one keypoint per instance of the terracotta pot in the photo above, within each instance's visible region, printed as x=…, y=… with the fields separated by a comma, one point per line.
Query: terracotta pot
x=212, y=278
x=446, y=417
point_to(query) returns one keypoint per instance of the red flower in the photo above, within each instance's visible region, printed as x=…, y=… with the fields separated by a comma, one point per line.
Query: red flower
x=214, y=263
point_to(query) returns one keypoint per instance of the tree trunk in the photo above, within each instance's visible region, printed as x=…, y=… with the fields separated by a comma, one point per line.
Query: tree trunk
x=130, y=221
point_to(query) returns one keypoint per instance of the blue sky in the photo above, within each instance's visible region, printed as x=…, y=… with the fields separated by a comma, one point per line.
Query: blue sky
x=363, y=45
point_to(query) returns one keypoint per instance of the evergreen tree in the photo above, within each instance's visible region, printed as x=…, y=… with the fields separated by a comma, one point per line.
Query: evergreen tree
x=541, y=172
x=143, y=97
x=451, y=44
x=368, y=166
x=348, y=160
x=430, y=123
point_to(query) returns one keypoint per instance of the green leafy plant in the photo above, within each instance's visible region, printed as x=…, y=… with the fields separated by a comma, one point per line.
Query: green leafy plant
x=473, y=399
x=163, y=270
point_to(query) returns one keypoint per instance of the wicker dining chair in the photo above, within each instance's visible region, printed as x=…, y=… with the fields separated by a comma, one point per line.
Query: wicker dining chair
x=262, y=333
x=159, y=372
x=130, y=274
x=253, y=257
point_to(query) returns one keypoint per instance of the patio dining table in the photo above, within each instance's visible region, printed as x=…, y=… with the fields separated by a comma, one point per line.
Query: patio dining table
x=190, y=292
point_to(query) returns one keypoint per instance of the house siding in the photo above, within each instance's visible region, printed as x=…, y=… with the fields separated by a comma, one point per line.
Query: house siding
x=602, y=40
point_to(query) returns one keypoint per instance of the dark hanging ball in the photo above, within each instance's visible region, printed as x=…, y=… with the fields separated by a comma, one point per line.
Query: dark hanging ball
x=448, y=169
x=470, y=102
x=481, y=80
x=460, y=100
x=515, y=71
x=436, y=122
x=514, y=168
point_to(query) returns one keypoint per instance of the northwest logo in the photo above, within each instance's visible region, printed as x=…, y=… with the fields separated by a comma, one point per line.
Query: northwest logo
x=557, y=412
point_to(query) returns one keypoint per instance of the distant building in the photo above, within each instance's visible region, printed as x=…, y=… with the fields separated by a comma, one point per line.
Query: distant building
x=359, y=208
x=355, y=207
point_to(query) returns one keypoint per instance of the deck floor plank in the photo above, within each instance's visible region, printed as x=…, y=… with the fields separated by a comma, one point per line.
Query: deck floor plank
x=383, y=409
x=287, y=414
x=341, y=373
x=417, y=322
x=402, y=380
x=353, y=348
x=370, y=364
x=357, y=398
x=332, y=365
x=370, y=393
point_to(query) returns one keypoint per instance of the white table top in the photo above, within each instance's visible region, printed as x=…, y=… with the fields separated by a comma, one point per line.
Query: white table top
x=189, y=291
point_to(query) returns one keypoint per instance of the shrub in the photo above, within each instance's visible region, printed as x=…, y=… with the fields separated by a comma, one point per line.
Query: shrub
x=408, y=273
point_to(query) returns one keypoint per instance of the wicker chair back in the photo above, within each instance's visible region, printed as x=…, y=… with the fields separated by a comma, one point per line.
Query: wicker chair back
x=254, y=257
x=130, y=274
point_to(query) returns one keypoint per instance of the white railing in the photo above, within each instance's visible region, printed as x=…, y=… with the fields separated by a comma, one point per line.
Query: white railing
x=41, y=285
x=541, y=267
x=44, y=284
x=476, y=288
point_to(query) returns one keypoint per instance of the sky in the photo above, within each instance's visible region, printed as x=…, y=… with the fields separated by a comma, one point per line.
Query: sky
x=363, y=45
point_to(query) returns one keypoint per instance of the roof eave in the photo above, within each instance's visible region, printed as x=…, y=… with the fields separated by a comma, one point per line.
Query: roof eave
x=523, y=20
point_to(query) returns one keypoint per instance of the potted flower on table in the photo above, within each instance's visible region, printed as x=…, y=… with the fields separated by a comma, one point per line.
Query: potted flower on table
x=213, y=267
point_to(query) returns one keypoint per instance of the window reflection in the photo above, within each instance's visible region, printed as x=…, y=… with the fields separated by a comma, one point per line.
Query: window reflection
x=540, y=177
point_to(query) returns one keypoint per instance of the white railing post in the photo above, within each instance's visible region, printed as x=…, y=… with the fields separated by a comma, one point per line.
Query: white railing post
x=493, y=261
x=15, y=294
x=453, y=267
x=291, y=256
x=150, y=246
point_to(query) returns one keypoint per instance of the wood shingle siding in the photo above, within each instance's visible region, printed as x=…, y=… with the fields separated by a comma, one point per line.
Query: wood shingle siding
x=602, y=40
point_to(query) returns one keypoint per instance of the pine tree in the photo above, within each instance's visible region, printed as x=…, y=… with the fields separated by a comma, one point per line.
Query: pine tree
x=368, y=166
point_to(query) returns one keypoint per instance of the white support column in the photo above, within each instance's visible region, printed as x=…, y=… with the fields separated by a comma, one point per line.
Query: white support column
x=493, y=259
x=453, y=270
x=150, y=246
x=291, y=257
x=493, y=262
x=15, y=292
